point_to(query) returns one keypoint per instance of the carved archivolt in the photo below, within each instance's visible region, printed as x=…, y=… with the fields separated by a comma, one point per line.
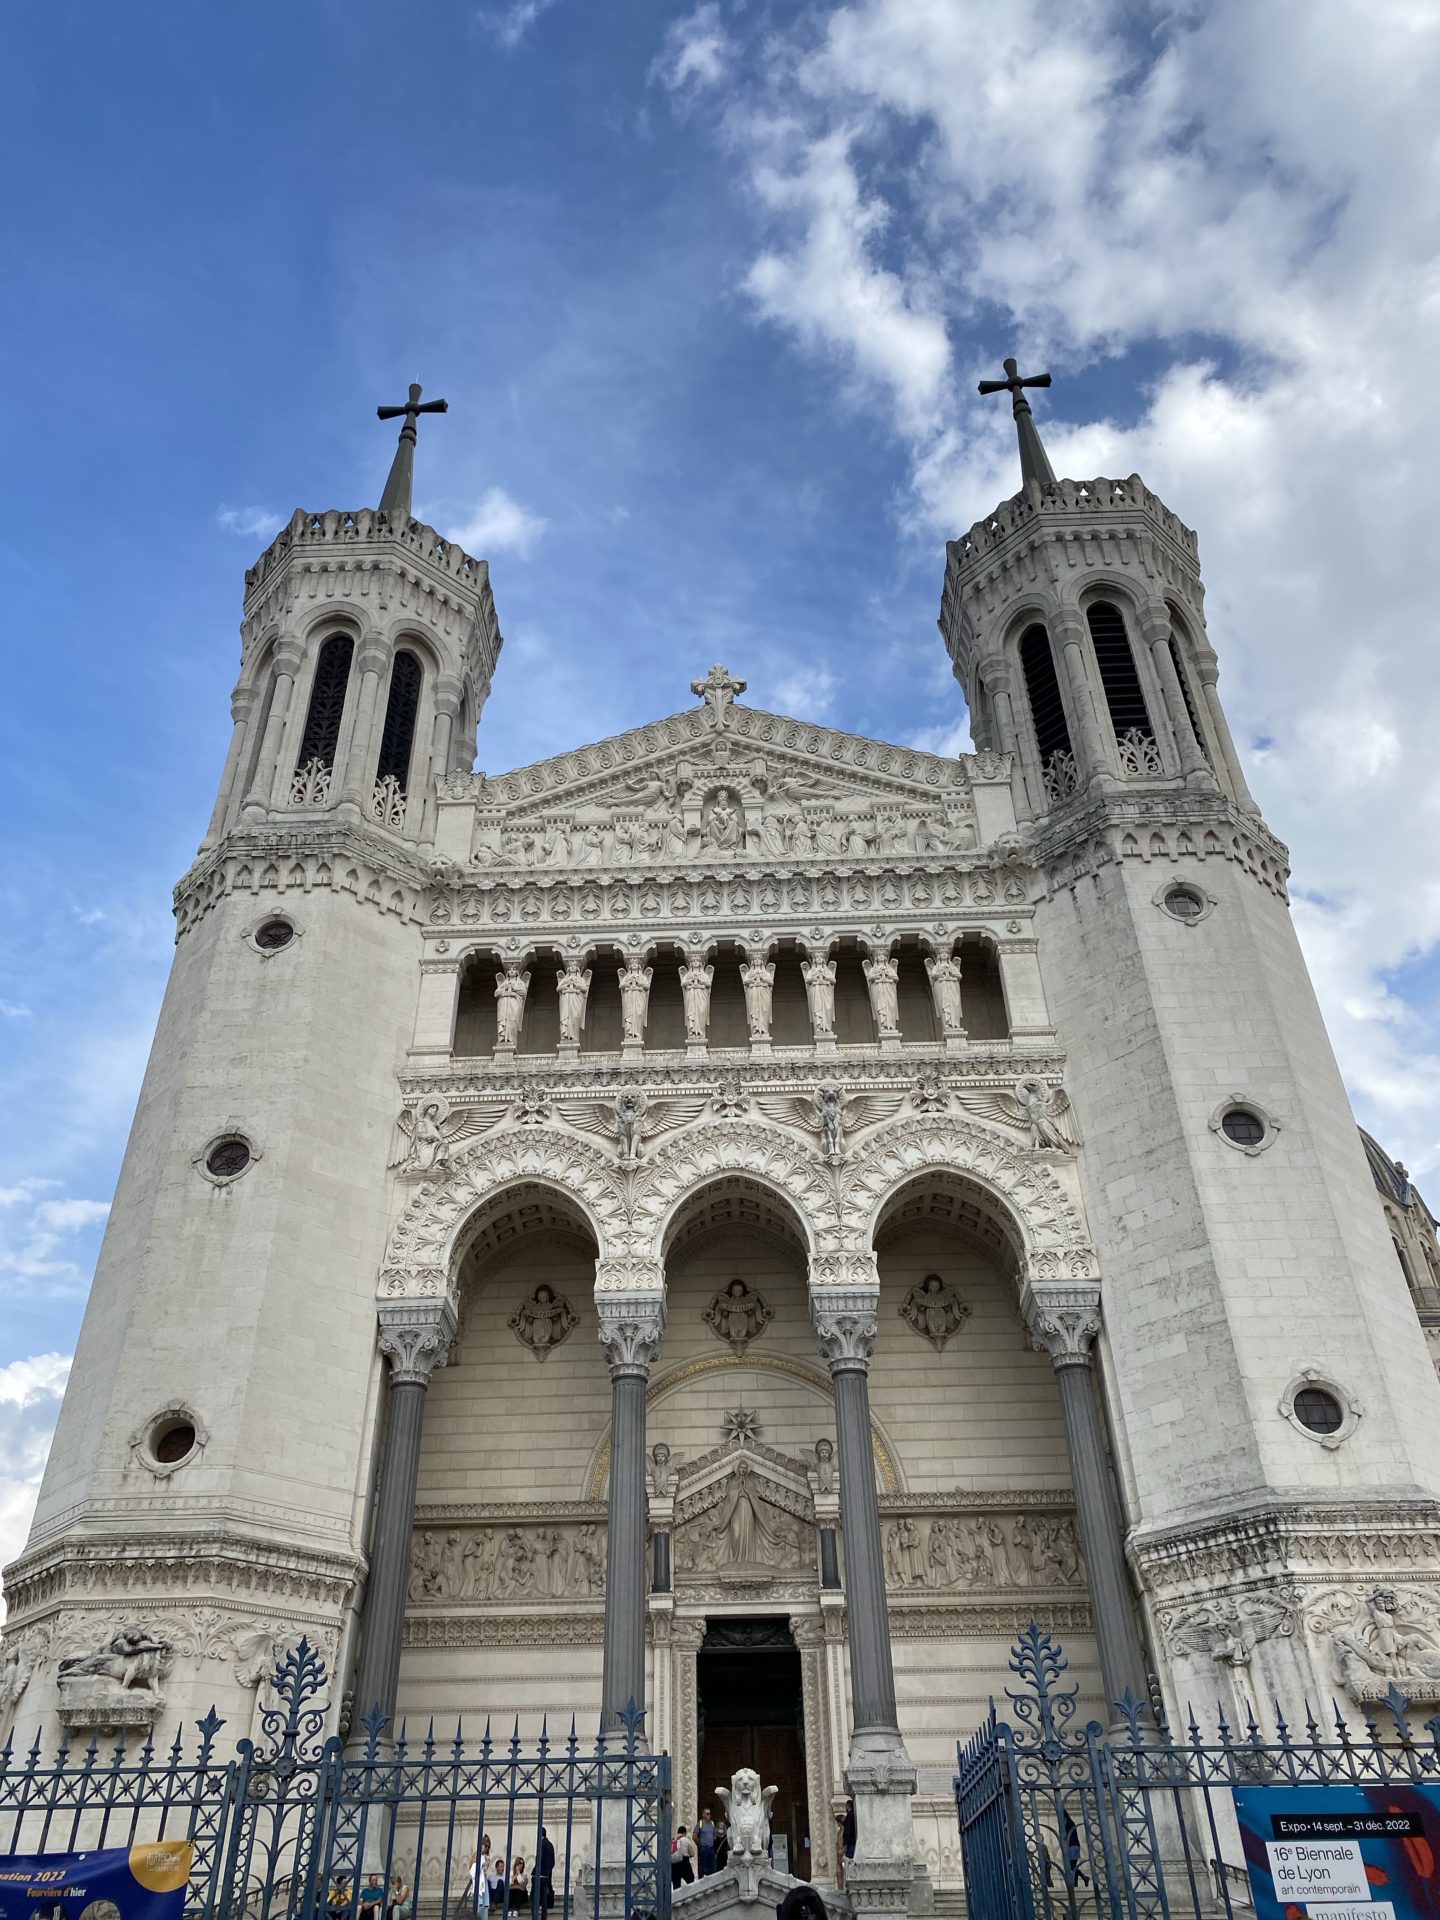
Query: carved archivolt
x=1028, y=1198
x=763, y=1153
x=423, y=1252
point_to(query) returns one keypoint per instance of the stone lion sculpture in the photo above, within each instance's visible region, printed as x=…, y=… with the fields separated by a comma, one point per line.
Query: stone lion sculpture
x=747, y=1812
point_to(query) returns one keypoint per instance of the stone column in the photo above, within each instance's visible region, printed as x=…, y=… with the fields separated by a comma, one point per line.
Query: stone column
x=1155, y=629
x=371, y=660
x=241, y=703
x=1208, y=668
x=999, y=683
x=1068, y=631
x=415, y=1337
x=449, y=699
x=1063, y=1322
x=631, y=1324
x=288, y=658
x=879, y=1773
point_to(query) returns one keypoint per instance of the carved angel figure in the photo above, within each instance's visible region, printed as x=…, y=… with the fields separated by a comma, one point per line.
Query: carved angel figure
x=737, y=1315
x=1033, y=1107
x=634, y=1001
x=695, y=979
x=1229, y=1630
x=573, y=991
x=882, y=975
x=934, y=1310
x=511, y=987
x=944, y=975
x=831, y=1114
x=633, y=1117
x=819, y=978
x=758, y=979
x=543, y=1321
x=433, y=1132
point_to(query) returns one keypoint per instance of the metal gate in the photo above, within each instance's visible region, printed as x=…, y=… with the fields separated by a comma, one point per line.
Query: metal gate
x=295, y=1827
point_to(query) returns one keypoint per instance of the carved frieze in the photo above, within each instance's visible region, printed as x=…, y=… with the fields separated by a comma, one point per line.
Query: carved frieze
x=980, y=1551
x=1381, y=1637
x=503, y=1563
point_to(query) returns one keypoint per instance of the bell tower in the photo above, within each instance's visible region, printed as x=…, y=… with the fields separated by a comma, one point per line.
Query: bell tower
x=1264, y=1370
x=216, y=1439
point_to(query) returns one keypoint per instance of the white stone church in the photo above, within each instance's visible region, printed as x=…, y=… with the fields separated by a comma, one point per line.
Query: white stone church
x=743, y=1217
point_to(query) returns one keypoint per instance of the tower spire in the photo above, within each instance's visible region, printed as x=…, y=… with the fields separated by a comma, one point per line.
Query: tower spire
x=396, y=498
x=1034, y=461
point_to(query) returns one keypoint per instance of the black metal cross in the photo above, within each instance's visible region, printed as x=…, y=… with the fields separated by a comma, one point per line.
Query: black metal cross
x=1034, y=461
x=396, y=497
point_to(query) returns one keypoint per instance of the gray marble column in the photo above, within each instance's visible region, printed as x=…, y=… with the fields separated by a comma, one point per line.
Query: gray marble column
x=630, y=1328
x=415, y=1337
x=1063, y=1322
x=878, y=1774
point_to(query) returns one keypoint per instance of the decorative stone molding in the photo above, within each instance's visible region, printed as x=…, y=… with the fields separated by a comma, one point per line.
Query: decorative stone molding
x=629, y=1273
x=332, y=856
x=850, y=1267
x=415, y=1337
x=1173, y=827
x=986, y=1619
x=525, y=1630
x=845, y=1318
x=1063, y=1321
x=1281, y=1539
x=631, y=1326
x=708, y=1152
x=158, y=1569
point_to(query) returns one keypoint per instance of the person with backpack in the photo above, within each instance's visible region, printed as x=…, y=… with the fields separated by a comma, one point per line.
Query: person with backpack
x=705, y=1840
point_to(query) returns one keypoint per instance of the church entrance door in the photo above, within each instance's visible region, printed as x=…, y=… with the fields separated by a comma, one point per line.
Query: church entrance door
x=748, y=1674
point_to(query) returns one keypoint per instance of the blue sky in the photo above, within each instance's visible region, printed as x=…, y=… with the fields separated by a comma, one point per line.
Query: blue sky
x=707, y=288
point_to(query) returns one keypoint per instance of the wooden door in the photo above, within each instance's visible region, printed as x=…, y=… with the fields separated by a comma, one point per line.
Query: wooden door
x=774, y=1753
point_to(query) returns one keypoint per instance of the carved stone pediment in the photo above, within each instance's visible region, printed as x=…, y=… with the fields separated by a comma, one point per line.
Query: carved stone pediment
x=717, y=784
x=743, y=1513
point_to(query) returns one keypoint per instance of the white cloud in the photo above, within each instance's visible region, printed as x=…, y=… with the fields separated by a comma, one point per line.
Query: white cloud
x=13, y=1010
x=255, y=523
x=806, y=693
x=30, y=1391
x=35, y=1233
x=696, y=51
x=510, y=24
x=498, y=524
x=948, y=740
x=1073, y=182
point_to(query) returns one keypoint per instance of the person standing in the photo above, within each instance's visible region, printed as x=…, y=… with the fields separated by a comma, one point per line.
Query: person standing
x=682, y=1857
x=705, y=1839
x=545, y=1874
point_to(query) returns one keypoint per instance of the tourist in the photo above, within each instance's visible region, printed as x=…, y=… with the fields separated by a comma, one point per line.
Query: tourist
x=372, y=1896
x=847, y=1838
x=495, y=1886
x=399, y=1906
x=545, y=1873
x=519, y=1894
x=682, y=1854
x=705, y=1839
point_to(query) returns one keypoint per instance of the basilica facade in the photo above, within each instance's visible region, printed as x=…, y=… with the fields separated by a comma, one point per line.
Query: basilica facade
x=741, y=1217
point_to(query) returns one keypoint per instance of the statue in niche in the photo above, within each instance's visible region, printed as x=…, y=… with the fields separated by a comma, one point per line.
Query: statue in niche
x=883, y=978
x=737, y=1315
x=695, y=979
x=934, y=1310
x=819, y=978
x=634, y=1001
x=543, y=1321
x=944, y=972
x=726, y=827
x=758, y=979
x=511, y=987
x=747, y=1537
x=573, y=991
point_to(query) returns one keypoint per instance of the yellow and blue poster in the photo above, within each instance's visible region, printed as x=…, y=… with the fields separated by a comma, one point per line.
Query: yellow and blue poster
x=1342, y=1853
x=145, y=1882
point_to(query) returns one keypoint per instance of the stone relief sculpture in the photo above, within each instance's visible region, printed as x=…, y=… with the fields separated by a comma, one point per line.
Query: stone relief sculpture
x=543, y=1321
x=1228, y=1628
x=737, y=1315
x=1044, y=1113
x=747, y=1817
x=1028, y=1550
x=120, y=1684
x=20, y=1654
x=695, y=979
x=934, y=1310
x=819, y=978
x=1382, y=1639
x=634, y=1001
x=743, y=1531
x=758, y=979
x=632, y=1117
x=831, y=1113
x=432, y=1133
x=572, y=989
x=882, y=976
x=498, y=1563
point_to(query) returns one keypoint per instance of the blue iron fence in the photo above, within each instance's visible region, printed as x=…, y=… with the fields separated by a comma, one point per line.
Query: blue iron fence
x=1063, y=1822
x=295, y=1827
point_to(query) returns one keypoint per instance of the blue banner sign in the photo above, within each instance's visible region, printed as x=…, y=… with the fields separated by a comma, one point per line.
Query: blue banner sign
x=1342, y=1853
x=144, y=1882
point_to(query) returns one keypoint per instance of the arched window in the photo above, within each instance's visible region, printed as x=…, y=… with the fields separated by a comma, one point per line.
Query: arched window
x=316, y=760
x=1047, y=715
x=397, y=741
x=1124, y=695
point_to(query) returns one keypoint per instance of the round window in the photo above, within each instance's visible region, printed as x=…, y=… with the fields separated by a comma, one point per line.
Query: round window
x=172, y=1442
x=1318, y=1410
x=1183, y=903
x=227, y=1158
x=1242, y=1126
x=273, y=935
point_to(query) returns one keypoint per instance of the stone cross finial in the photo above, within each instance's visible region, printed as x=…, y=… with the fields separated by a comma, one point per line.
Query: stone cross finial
x=1034, y=462
x=396, y=497
x=717, y=690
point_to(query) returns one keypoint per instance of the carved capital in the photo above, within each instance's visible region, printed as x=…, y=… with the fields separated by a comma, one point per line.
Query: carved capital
x=415, y=1337
x=629, y=1273
x=631, y=1325
x=1063, y=1321
x=845, y=1320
